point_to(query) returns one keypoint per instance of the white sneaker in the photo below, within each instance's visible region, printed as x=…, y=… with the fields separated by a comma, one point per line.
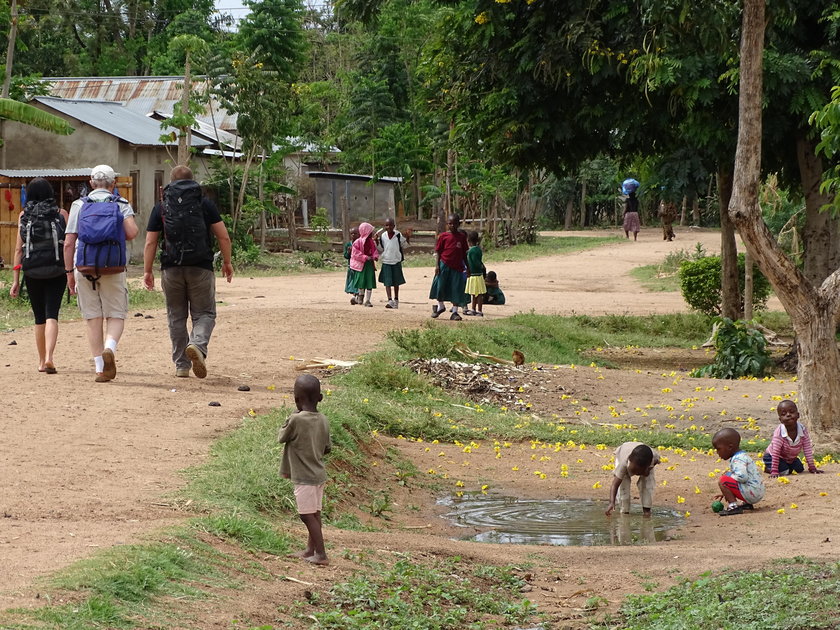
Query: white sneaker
x=390, y=304
x=396, y=304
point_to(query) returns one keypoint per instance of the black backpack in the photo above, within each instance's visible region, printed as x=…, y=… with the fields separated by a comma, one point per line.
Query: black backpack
x=42, y=232
x=186, y=239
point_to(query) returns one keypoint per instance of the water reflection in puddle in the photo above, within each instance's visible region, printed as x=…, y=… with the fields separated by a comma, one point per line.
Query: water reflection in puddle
x=556, y=522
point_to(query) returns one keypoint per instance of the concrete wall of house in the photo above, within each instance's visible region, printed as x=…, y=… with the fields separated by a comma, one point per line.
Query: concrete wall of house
x=366, y=202
x=148, y=166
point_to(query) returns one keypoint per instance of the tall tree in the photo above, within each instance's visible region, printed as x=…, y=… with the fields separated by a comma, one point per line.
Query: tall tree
x=813, y=310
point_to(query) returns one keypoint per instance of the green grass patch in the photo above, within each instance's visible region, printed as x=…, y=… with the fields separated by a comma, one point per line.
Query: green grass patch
x=117, y=586
x=16, y=312
x=252, y=534
x=381, y=396
x=555, y=340
x=654, y=279
x=792, y=593
x=450, y=594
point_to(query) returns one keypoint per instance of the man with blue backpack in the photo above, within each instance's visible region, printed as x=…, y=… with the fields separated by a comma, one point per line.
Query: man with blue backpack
x=95, y=259
x=188, y=223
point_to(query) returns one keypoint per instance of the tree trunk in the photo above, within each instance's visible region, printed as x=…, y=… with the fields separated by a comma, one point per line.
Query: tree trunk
x=729, y=292
x=186, y=132
x=450, y=166
x=583, y=203
x=7, y=79
x=821, y=229
x=570, y=211
x=748, y=287
x=695, y=210
x=812, y=311
x=683, y=210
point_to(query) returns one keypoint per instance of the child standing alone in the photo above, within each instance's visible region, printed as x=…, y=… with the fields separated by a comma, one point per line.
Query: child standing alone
x=743, y=480
x=362, y=257
x=789, y=439
x=306, y=435
x=475, y=281
x=348, y=284
x=391, y=274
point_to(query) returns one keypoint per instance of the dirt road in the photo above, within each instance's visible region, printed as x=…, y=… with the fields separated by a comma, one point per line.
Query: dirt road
x=84, y=465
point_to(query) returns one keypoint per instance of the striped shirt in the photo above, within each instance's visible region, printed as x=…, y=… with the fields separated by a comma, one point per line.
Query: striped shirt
x=782, y=447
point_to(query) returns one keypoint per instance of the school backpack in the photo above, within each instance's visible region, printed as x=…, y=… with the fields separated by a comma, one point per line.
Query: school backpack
x=42, y=232
x=101, y=236
x=186, y=240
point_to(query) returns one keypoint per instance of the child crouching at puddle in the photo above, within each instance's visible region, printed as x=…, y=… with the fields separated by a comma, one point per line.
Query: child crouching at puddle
x=742, y=482
x=631, y=459
x=306, y=435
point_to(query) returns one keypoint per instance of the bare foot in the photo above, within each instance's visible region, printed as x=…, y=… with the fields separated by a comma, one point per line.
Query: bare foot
x=318, y=559
x=302, y=554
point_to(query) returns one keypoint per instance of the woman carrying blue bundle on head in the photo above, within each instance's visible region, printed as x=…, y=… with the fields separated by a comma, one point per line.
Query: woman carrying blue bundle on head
x=631, y=209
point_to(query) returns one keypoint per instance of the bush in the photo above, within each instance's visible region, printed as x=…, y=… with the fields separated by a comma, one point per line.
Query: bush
x=700, y=285
x=740, y=350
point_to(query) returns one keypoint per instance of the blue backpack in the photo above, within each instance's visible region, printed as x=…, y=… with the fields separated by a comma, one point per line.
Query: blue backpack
x=101, y=247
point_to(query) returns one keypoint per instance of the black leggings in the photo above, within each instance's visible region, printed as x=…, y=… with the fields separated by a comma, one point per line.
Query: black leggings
x=45, y=296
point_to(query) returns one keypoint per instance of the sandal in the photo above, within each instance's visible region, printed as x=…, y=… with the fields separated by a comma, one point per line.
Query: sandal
x=50, y=369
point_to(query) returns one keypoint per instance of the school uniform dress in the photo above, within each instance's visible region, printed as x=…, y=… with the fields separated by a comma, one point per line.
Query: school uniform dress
x=362, y=256
x=348, y=283
x=475, y=281
x=782, y=453
x=450, y=283
x=391, y=273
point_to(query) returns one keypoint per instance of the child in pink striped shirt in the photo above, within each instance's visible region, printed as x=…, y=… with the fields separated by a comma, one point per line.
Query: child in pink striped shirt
x=789, y=439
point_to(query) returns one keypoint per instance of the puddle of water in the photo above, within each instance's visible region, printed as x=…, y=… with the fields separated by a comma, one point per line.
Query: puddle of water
x=501, y=519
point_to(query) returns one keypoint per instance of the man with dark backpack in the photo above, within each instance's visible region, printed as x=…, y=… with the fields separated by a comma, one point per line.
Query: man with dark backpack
x=95, y=259
x=188, y=221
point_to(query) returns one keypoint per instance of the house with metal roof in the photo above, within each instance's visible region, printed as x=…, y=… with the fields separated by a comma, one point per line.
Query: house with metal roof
x=106, y=132
x=141, y=94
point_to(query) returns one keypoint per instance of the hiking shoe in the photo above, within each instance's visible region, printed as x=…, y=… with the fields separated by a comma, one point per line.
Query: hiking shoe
x=455, y=317
x=437, y=311
x=109, y=372
x=182, y=372
x=198, y=366
x=101, y=378
x=738, y=509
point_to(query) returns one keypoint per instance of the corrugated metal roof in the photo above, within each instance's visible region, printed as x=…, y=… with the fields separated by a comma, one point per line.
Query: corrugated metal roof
x=113, y=118
x=207, y=131
x=141, y=94
x=353, y=176
x=54, y=173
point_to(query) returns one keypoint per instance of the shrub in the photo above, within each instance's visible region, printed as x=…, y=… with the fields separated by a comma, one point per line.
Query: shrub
x=740, y=350
x=701, y=289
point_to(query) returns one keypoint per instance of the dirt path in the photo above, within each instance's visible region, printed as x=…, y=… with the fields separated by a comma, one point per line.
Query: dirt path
x=85, y=465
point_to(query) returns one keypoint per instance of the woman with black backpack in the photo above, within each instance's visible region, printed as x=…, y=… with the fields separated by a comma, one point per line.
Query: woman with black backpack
x=39, y=253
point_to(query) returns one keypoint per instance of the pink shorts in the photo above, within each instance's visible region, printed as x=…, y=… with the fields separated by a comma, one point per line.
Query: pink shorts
x=309, y=499
x=730, y=483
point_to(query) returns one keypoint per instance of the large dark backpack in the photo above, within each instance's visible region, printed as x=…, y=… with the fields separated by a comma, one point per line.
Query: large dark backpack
x=101, y=247
x=186, y=238
x=42, y=232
